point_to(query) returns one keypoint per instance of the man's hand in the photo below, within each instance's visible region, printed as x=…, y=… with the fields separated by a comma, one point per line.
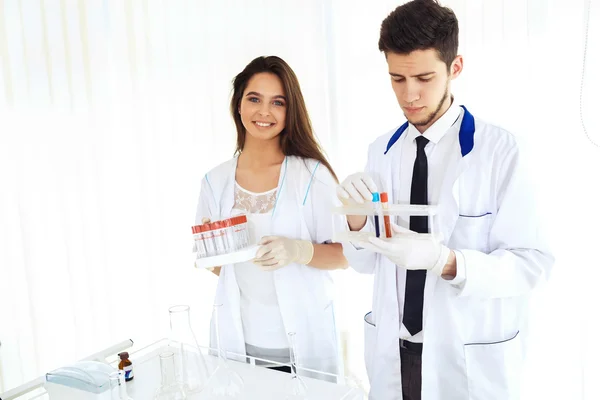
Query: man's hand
x=358, y=188
x=411, y=250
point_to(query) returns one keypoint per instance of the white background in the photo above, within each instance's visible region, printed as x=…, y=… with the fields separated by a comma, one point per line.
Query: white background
x=111, y=111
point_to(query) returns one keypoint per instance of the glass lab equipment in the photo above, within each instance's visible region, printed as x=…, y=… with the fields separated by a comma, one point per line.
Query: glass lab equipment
x=118, y=388
x=297, y=389
x=223, y=242
x=224, y=381
x=169, y=389
x=220, y=237
x=190, y=366
x=355, y=392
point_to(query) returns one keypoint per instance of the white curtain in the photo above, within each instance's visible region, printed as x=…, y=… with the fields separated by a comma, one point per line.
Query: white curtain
x=111, y=111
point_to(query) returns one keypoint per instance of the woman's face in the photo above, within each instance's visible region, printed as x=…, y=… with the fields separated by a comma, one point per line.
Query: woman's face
x=263, y=106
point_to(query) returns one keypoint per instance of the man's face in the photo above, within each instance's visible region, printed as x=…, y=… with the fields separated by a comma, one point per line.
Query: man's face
x=421, y=83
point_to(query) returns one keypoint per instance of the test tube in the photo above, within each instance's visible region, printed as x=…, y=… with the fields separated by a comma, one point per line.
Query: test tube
x=219, y=236
x=208, y=239
x=244, y=230
x=377, y=205
x=241, y=231
x=200, y=248
x=229, y=239
x=386, y=218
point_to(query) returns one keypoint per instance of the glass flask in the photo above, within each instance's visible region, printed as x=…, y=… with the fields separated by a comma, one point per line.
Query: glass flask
x=355, y=391
x=297, y=389
x=190, y=366
x=118, y=390
x=224, y=382
x=169, y=389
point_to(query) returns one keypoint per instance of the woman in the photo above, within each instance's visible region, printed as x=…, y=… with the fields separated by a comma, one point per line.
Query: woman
x=281, y=180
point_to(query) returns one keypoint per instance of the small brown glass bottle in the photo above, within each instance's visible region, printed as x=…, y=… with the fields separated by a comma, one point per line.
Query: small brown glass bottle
x=126, y=365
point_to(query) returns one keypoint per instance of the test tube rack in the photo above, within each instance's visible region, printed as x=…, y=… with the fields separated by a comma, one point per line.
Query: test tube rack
x=368, y=209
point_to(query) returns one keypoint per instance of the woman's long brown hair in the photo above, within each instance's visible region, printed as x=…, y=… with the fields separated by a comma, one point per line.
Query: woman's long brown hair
x=297, y=137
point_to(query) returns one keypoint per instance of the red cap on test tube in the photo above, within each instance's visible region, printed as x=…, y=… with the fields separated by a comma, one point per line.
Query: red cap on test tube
x=238, y=220
x=204, y=227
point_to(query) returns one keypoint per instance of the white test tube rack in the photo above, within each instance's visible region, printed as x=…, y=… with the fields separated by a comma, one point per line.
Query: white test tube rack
x=368, y=209
x=238, y=256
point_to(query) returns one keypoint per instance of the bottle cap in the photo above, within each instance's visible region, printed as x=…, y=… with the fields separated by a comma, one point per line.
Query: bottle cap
x=384, y=197
x=375, y=197
x=124, y=355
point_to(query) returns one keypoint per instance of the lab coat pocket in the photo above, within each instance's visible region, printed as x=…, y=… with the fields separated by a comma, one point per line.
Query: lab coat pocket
x=494, y=369
x=472, y=231
x=370, y=341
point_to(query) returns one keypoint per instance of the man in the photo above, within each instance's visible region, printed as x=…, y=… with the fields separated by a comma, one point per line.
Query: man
x=450, y=309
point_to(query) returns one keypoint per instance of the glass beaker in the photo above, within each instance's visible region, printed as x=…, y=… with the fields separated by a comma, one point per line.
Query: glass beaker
x=224, y=382
x=118, y=390
x=169, y=389
x=190, y=366
x=297, y=389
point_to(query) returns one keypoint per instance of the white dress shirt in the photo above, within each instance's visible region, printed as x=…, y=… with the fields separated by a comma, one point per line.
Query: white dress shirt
x=441, y=136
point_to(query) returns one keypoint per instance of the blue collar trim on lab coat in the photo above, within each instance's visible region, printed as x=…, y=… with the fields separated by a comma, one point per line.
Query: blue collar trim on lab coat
x=465, y=134
x=312, y=177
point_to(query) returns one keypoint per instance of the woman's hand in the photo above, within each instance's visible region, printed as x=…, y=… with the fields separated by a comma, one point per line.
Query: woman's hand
x=278, y=251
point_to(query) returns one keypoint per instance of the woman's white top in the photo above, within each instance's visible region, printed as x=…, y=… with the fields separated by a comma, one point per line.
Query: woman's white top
x=261, y=315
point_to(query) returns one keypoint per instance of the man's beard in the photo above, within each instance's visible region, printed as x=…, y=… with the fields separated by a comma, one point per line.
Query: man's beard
x=433, y=115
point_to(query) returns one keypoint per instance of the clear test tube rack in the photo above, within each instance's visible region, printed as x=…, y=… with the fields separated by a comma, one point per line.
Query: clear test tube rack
x=369, y=210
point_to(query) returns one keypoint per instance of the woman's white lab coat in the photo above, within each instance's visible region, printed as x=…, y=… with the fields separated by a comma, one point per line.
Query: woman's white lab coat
x=306, y=195
x=474, y=334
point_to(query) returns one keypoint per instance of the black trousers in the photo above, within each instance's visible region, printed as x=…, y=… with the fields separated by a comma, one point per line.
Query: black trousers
x=410, y=366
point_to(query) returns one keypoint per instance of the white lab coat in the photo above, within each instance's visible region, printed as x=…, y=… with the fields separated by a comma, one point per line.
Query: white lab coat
x=305, y=197
x=474, y=335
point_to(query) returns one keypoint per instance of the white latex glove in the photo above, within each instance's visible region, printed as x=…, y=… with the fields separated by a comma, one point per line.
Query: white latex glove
x=278, y=251
x=410, y=250
x=357, y=188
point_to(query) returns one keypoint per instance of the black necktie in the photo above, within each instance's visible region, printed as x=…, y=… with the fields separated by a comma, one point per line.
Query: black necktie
x=415, y=280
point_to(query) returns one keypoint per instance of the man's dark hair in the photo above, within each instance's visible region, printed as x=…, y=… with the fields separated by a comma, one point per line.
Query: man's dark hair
x=421, y=25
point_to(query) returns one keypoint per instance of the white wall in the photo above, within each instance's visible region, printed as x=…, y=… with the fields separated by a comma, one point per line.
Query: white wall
x=111, y=112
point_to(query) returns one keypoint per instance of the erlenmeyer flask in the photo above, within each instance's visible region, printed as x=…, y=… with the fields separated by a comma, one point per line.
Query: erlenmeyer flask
x=190, y=366
x=169, y=389
x=118, y=390
x=297, y=389
x=224, y=382
x=355, y=392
